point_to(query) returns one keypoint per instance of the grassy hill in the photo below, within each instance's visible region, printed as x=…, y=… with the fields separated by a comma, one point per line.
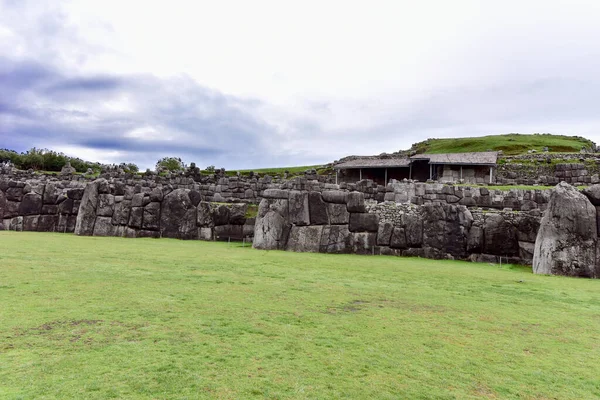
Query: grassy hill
x=510, y=144
x=97, y=318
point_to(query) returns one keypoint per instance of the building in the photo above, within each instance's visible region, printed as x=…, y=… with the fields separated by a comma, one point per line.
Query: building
x=450, y=167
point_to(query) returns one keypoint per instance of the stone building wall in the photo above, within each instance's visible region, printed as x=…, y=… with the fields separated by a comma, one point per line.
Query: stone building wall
x=334, y=221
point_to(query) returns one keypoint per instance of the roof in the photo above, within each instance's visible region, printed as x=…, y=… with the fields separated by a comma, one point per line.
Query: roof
x=478, y=158
x=374, y=163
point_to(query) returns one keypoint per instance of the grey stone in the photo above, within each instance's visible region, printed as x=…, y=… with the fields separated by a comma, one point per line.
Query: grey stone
x=335, y=196
x=220, y=215
x=151, y=220
x=86, y=217
x=318, y=209
x=363, y=222
x=398, y=239
x=237, y=213
x=356, y=202
x=338, y=214
x=364, y=242
x=135, y=217
x=103, y=227
x=567, y=240
x=31, y=204
x=305, y=238
x=178, y=216
x=271, y=232
x=336, y=239
x=384, y=233
x=106, y=205
x=205, y=218
x=299, y=208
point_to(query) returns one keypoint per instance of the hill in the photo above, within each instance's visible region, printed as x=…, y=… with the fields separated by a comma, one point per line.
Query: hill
x=509, y=144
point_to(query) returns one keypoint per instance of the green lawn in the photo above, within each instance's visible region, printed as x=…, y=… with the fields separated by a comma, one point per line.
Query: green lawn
x=95, y=318
x=510, y=144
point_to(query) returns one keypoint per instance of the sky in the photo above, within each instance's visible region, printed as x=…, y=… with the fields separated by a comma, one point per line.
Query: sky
x=253, y=84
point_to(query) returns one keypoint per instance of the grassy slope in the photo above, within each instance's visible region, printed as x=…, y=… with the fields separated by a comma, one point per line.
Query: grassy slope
x=97, y=318
x=510, y=144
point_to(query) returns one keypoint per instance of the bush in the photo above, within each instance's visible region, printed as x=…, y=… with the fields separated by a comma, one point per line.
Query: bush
x=170, y=164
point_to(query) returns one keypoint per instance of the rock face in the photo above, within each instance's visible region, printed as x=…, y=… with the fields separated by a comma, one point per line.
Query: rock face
x=567, y=240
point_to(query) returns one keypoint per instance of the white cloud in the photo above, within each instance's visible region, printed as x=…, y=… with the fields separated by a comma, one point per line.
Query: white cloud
x=319, y=80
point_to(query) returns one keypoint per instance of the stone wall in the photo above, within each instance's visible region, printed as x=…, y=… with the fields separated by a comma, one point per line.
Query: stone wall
x=48, y=205
x=334, y=221
x=118, y=210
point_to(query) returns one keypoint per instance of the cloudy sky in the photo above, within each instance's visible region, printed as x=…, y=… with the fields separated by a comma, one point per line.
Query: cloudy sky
x=250, y=84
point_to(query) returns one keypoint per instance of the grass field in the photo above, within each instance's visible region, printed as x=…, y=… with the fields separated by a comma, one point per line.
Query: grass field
x=510, y=144
x=95, y=318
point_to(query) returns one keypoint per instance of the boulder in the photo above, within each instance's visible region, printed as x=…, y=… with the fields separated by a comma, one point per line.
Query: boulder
x=178, y=216
x=86, y=217
x=567, y=239
x=227, y=232
x=195, y=197
x=47, y=223
x=364, y=242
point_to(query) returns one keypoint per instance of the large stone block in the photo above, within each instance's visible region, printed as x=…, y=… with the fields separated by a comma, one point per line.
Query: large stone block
x=178, y=217
x=384, y=233
x=318, y=209
x=305, y=238
x=135, y=217
x=106, y=205
x=336, y=239
x=398, y=238
x=335, y=196
x=220, y=215
x=229, y=232
x=104, y=227
x=86, y=217
x=364, y=242
x=363, y=222
x=151, y=220
x=299, y=208
x=500, y=237
x=271, y=232
x=47, y=223
x=338, y=214
x=567, y=241
x=31, y=204
x=237, y=213
x=356, y=202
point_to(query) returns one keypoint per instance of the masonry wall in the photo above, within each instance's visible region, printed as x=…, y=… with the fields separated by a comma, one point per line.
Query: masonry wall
x=335, y=221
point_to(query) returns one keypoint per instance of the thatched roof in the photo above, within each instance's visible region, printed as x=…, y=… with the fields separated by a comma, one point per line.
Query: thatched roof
x=366, y=162
x=479, y=158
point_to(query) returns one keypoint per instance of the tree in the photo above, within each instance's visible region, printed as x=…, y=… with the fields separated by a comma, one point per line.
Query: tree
x=170, y=164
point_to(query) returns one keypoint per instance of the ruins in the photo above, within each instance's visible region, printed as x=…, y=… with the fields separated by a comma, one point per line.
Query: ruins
x=555, y=231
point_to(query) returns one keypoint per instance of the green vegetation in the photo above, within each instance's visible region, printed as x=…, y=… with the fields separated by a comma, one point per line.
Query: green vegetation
x=96, y=318
x=292, y=171
x=510, y=144
x=46, y=160
x=170, y=164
